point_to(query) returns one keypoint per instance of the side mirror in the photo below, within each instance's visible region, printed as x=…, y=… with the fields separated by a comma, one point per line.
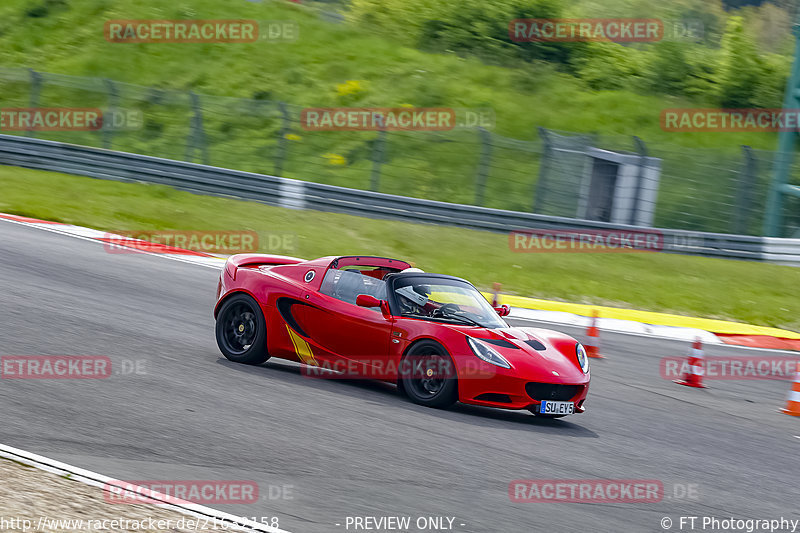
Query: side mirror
x=503, y=310
x=366, y=300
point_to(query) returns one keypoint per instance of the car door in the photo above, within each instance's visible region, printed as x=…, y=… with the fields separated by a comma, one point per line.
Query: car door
x=344, y=330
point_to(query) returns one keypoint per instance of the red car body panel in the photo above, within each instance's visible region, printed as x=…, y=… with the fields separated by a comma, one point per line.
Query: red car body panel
x=310, y=327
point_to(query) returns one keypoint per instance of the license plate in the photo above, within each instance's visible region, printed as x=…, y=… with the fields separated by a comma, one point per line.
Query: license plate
x=557, y=408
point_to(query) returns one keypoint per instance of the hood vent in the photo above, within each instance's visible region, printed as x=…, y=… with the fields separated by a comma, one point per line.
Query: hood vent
x=536, y=345
x=500, y=342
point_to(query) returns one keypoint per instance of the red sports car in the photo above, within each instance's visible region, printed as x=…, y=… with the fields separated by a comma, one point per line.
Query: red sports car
x=435, y=336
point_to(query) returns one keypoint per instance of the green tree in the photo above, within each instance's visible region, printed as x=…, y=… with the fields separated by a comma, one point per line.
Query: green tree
x=740, y=67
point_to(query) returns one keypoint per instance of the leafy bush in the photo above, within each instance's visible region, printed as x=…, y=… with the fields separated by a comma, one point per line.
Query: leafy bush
x=475, y=27
x=740, y=67
x=605, y=66
x=669, y=70
x=772, y=82
x=723, y=65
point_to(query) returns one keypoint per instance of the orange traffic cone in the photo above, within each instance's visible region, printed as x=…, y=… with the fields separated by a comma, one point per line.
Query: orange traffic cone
x=793, y=401
x=496, y=295
x=694, y=378
x=592, y=343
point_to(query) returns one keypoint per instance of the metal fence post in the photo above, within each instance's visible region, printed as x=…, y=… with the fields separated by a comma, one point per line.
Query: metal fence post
x=484, y=165
x=283, y=142
x=740, y=218
x=641, y=149
x=113, y=100
x=540, y=189
x=197, y=135
x=787, y=142
x=35, y=92
x=378, y=148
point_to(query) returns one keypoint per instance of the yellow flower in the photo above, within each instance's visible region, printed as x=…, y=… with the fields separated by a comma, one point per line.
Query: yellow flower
x=335, y=159
x=349, y=87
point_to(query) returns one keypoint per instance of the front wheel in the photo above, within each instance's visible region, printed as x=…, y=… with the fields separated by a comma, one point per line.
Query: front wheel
x=241, y=330
x=428, y=376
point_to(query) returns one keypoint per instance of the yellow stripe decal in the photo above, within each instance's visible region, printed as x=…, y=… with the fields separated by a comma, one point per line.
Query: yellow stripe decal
x=301, y=348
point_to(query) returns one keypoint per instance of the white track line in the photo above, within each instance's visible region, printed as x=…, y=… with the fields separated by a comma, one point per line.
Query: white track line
x=104, y=482
x=54, y=228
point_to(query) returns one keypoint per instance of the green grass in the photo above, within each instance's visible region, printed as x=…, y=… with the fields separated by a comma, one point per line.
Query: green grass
x=66, y=36
x=751, y=292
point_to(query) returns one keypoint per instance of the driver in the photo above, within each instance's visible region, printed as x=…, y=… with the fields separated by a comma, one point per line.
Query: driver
x=414, y=300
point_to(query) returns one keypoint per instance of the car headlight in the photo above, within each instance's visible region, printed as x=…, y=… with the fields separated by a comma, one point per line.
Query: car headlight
x=486, y=353
x=583, y=359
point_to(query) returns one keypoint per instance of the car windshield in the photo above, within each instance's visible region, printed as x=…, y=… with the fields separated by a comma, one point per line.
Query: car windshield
x=445, y=299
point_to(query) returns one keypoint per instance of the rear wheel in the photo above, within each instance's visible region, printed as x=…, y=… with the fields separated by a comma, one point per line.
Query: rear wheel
x=428, y=376
x=241, y=330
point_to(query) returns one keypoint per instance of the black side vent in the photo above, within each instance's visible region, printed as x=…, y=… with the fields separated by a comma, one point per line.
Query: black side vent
x=494, y=397
x=536, y=345
x=500, y=342
x=285, y=309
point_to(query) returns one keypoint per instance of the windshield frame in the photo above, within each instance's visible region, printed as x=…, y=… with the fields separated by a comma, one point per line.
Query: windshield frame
x=394, y=281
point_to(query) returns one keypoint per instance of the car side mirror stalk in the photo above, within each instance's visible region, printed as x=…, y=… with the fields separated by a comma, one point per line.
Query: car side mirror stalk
x=503, y=310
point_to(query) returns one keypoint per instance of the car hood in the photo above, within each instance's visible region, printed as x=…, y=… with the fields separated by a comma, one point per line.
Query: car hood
x=538, y=354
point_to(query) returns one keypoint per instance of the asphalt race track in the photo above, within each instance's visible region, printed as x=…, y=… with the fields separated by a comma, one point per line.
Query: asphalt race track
x=349, y=448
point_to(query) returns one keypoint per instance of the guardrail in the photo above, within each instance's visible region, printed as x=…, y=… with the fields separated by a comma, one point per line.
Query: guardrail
x=295, y=194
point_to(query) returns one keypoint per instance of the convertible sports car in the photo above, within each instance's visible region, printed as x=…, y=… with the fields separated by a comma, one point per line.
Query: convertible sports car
x=435, y=336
